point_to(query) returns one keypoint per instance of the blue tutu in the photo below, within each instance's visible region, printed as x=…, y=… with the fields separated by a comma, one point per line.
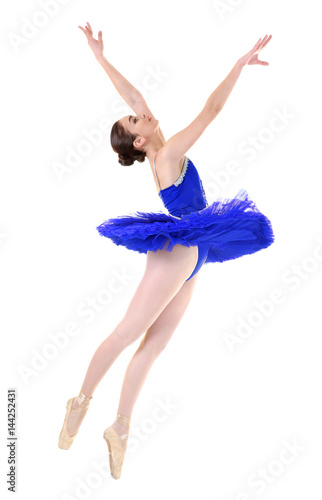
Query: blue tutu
x=227, y=228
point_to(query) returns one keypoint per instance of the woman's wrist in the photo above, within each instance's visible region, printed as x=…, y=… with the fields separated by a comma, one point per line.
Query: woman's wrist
x=240, y=63
x=100, y=58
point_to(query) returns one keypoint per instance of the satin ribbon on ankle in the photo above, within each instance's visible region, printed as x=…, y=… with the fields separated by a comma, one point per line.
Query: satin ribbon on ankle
x=124, y=420
x=81, y=398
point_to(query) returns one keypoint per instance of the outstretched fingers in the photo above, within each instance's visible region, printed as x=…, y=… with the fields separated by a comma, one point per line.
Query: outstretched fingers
x=262, y=43
x=257, y=44
x=86, y=31
x=89, y=28
x=81, y=28
x=266, y=42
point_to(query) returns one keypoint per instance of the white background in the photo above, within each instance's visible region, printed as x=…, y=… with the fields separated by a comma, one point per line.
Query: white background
x=235, y=406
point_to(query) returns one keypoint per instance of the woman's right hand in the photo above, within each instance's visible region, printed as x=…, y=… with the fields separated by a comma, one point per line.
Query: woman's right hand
x=252, y=56
x=96, y=45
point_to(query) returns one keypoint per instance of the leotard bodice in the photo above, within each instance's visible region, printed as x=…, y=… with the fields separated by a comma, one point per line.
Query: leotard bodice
x=186, y=194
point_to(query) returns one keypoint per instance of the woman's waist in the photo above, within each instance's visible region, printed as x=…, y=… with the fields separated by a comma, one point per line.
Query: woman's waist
x=178, y=210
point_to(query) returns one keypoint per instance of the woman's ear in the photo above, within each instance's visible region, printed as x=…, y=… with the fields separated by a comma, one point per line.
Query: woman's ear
x=139, y=141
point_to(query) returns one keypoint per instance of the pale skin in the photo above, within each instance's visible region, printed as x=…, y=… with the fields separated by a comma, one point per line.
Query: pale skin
x=163, y=293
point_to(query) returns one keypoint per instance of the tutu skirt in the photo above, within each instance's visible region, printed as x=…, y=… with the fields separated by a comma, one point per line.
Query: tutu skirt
x=229, y=228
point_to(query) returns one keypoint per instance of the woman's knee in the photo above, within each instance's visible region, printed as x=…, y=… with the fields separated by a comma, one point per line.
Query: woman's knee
x=156, y=338
x=123, y=336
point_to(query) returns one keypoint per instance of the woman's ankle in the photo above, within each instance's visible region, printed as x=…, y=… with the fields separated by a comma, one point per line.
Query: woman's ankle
x=122, y=431
x=82, y=400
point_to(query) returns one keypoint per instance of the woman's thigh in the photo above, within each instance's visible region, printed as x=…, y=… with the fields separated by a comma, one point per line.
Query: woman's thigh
x=159, y=333
x=164, y=275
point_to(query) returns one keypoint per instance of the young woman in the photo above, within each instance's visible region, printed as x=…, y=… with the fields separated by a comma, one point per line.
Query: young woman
x=177, y=244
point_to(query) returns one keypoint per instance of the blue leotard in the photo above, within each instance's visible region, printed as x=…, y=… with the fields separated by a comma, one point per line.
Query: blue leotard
x=184, y=196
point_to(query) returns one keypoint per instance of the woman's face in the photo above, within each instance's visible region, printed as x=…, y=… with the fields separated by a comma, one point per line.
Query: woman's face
x=141, y=125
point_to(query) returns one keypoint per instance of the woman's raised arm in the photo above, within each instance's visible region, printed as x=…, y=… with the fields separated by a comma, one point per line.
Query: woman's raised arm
x=180, y=143
x=126, y=90
x=222, y=92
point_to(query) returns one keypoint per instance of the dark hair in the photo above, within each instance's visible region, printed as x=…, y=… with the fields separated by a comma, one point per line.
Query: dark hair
x=122, y=143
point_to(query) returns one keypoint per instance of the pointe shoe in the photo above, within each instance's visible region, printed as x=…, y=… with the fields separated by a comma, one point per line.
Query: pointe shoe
x=115, y=448
x=65, y=440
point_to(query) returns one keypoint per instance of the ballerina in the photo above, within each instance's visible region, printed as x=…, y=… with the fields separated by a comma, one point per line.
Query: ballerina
x=177, y=244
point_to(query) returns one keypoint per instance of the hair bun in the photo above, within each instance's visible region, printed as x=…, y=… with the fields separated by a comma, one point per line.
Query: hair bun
x=125, y=162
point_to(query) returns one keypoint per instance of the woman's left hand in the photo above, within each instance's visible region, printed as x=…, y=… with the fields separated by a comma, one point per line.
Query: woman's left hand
x=96, y=45
x=252, y=56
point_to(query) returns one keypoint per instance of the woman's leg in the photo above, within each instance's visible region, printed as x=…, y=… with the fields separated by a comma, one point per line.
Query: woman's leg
x=152, y=344
x=164, y=275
